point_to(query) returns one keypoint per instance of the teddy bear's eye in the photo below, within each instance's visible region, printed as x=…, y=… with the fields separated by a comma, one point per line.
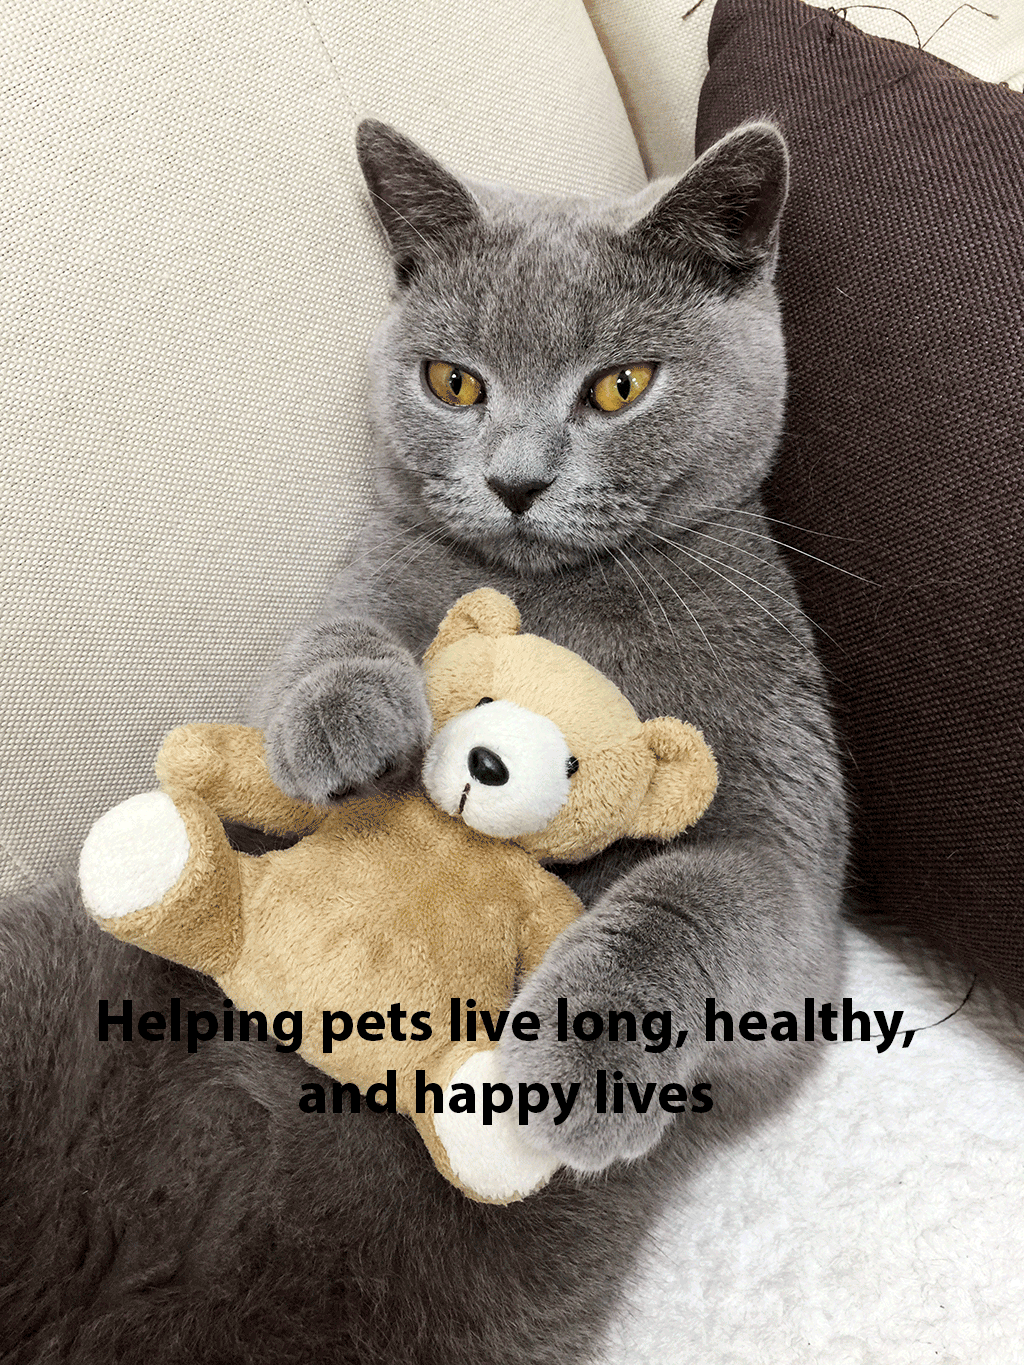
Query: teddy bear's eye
x=484, y=700
x=572, y=766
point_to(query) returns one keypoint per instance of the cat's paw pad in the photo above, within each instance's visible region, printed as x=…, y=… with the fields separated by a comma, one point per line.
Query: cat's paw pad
x=491, y=1160
x=132, y=856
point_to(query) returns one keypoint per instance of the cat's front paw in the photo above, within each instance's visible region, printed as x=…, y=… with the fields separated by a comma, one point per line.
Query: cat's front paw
x=616, y=1111
x=592, y=1135
x=348, y=724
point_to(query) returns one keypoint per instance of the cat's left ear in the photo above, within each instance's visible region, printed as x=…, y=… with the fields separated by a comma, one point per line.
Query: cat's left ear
x=421, y=206
x=724, y=212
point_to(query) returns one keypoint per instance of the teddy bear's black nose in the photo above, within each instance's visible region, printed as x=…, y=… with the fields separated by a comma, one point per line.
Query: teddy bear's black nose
x=487, y=767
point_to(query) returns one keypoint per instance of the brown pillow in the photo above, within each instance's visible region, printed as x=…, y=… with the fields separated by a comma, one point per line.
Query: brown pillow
x=902, y=284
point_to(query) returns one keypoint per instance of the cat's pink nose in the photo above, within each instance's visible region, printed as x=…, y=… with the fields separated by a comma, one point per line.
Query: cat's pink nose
x=517, y=497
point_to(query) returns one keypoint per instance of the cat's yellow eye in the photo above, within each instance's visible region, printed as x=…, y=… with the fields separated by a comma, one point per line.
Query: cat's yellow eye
x=453, y=385
x=615, y=388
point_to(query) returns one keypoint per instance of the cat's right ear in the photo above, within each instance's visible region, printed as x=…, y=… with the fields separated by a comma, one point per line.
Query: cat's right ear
x=421, y=206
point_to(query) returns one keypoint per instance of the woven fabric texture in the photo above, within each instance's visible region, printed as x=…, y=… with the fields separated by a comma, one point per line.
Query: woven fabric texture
x=190, y=274
x=658, y=51
x=902, y=281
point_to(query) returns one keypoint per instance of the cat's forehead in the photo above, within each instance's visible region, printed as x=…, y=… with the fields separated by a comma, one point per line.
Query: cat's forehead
x=542, y=280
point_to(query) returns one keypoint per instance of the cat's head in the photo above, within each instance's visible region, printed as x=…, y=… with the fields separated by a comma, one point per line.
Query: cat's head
x=555, y=372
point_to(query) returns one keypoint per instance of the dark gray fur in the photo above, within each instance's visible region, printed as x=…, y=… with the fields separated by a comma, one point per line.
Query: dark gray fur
x=160, y=1207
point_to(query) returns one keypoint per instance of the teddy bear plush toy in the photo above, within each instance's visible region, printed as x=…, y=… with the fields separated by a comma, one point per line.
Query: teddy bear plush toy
x=416, y=898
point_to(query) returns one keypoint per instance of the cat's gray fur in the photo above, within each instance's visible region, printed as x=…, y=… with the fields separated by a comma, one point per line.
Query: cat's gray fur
x=160, y=1207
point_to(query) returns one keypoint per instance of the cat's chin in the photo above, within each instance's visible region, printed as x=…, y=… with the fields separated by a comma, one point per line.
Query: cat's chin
x=529, y=551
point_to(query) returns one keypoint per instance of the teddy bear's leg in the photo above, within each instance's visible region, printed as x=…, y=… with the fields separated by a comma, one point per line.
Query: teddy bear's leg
x=490, y=1161
x=158, y=871
x=133, y=855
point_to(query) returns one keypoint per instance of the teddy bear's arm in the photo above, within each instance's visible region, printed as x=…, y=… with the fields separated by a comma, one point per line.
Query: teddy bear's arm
x=226, y=766
x=555, y=907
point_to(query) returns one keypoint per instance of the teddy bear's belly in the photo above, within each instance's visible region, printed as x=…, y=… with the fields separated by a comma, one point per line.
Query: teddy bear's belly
x=406, y=906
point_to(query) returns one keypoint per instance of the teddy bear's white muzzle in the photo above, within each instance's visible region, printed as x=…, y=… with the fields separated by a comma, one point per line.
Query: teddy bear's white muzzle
x=503, y=768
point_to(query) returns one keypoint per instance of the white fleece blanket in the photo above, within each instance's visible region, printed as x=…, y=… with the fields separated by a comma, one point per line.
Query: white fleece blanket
x=878, y=1222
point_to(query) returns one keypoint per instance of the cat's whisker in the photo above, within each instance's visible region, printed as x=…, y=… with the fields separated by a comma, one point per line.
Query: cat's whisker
x=599, y=561
x=777, y=521
x=651, y=588
x=685, y=605
x=707, y=561
x=646, y=582
x=379, y=568
x=416, y=548
x=697, y=587
x=761, y=535
x=403, y=549
x=705, y=535
x=407, y=545
x=363, y=557
x=764, y=586
x=621, y=559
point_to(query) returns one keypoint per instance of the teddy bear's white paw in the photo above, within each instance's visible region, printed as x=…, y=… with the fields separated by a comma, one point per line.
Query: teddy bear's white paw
x=492, y=1161
x=132, y=856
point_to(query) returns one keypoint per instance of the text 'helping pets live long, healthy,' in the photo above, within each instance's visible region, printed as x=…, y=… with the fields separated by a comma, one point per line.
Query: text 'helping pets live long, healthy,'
x=654, y=1031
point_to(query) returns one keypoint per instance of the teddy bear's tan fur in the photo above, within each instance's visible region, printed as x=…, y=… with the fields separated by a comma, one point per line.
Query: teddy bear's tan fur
x=387, y=898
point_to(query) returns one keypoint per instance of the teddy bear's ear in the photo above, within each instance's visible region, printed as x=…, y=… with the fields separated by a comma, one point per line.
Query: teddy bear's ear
x=484, y=612
x=684, y=781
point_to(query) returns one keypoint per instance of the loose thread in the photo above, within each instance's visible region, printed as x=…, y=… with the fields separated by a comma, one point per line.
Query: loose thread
x=937, y=1022
x=983, y=12
x=840, y=12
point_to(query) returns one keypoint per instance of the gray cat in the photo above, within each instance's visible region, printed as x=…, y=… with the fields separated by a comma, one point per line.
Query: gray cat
x=576, y=403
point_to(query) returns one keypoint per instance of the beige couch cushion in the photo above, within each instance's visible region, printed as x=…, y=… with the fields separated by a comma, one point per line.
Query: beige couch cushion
x=190, y=276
